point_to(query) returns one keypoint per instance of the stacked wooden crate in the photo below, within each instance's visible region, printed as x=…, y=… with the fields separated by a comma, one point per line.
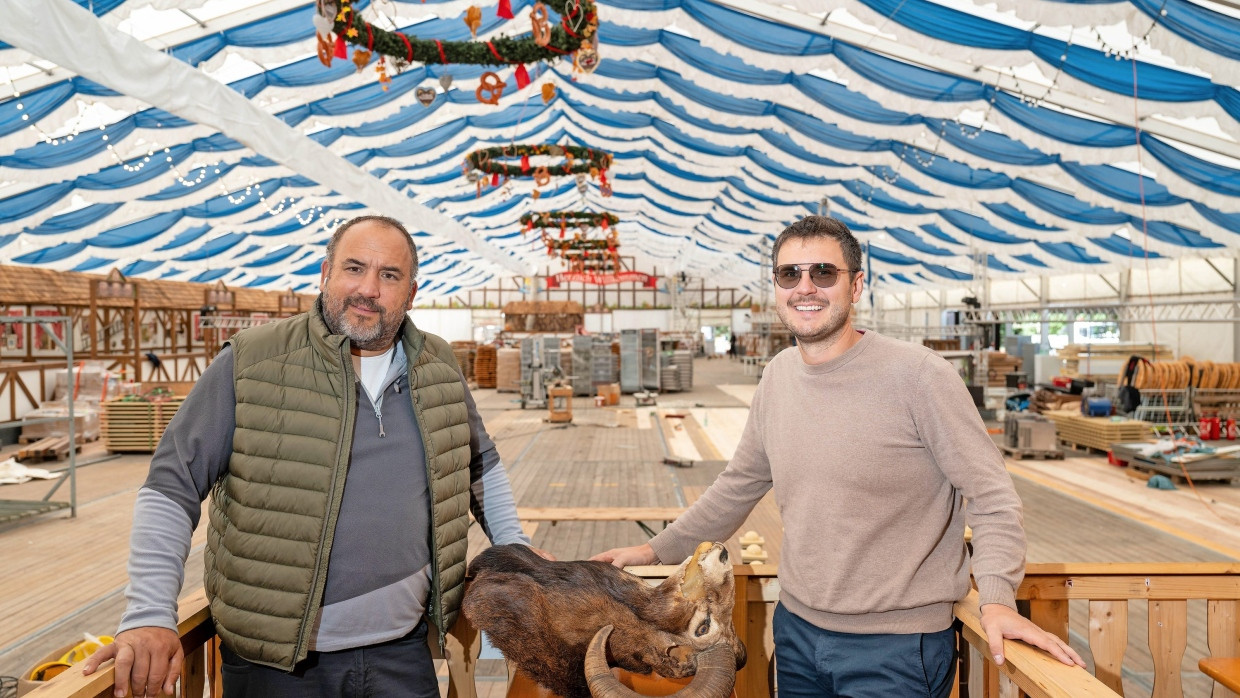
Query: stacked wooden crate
x=998, y=365
x=1097, y=432
x=136, y=426
x=484, y=366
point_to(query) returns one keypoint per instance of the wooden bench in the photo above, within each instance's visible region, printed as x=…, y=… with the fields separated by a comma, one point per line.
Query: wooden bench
x=1224, y=670
x=638, y=515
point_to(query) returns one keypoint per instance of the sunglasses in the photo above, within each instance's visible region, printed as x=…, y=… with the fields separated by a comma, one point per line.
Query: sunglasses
x=823, y=274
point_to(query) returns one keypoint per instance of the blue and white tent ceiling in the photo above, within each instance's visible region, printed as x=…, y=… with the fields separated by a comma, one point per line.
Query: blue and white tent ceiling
x=956, y=139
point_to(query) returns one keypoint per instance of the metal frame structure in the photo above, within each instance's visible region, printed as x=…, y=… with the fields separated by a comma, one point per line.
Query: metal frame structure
x=17, y=509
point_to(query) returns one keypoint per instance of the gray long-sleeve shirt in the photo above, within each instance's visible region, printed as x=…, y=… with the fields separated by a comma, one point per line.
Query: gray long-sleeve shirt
x=378, y=573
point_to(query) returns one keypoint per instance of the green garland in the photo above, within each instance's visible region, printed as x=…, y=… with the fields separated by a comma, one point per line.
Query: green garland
x=584, y=160
x=565, y=219
x=499, y=51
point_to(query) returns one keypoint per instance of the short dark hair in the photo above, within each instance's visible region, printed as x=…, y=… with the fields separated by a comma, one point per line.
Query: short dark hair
x=385, y=220
x=821, y=227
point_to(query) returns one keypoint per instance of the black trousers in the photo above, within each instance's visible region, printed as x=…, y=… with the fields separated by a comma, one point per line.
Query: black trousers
x=400, y=668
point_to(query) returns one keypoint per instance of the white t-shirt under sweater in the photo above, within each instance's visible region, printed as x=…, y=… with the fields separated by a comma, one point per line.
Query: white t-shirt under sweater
x=871, y=456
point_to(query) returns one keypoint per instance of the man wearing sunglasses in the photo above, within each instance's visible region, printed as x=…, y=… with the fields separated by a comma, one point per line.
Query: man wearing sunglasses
x=872, y=446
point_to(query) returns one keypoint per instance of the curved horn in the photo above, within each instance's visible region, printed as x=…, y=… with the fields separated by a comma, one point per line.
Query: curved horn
x=715, y=677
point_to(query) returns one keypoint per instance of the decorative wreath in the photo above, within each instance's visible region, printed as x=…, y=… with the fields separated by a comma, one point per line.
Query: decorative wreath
x=564, y=219
x=583, y=244
x=577, y=160
x=578, y=22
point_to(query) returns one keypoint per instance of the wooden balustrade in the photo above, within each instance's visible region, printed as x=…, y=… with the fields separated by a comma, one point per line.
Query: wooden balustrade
x=1026, y=672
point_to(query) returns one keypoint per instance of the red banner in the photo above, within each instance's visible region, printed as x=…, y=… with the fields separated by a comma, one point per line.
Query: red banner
x=587, y=277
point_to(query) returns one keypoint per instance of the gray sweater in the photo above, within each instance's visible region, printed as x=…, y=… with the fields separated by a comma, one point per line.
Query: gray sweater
x=871, y=456
x=376, y=586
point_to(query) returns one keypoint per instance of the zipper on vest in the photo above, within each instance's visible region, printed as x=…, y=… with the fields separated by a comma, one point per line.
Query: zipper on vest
x=379, y=416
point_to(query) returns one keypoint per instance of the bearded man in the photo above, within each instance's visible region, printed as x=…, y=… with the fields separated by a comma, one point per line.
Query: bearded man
x=872, y=446
x=342, y=452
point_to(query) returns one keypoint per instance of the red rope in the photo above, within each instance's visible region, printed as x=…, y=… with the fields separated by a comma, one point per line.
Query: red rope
x=567, y=29
x=408, y=47
x=442, y=58
x=370, y=37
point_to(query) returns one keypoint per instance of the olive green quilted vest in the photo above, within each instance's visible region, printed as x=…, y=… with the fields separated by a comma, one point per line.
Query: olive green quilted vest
x=272, y=516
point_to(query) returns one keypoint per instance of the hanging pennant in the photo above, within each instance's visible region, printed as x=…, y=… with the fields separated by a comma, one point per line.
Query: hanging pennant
x=341, y=50
x=525, y=164
x=522, y=76
x=495, y=180
x=504, y=11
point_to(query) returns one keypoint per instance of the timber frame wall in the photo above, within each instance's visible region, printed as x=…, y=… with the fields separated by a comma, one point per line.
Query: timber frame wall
x=117, y=321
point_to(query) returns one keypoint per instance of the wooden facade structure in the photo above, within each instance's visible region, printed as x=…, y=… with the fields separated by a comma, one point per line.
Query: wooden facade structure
x=119, y=321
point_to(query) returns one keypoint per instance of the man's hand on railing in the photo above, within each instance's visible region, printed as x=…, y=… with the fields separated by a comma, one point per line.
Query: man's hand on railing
x=148, y=659
x=1000, y=622
x=624, y=557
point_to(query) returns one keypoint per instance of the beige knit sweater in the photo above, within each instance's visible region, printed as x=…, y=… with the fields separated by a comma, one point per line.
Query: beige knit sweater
x=872, y=456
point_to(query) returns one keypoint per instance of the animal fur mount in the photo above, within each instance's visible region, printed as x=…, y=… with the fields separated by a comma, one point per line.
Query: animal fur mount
x=544, y=615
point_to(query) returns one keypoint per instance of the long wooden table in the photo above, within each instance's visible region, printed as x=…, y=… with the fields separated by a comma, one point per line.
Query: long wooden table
x=639, y=515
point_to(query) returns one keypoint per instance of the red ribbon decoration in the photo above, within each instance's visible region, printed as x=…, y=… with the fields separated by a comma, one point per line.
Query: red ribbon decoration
x=525, y=164
x=495, y=180
x=341, y=51
x=370, y=37
x=522, y=76
x=504, y=10
x=604, y=224
x=442, y=58
x=408, y=47
x=495, y=53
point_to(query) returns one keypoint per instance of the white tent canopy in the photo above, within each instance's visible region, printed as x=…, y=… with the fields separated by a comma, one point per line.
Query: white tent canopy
x=205, y=141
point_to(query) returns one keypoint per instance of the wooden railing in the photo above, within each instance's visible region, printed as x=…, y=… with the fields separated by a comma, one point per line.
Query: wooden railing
x=1027, y=671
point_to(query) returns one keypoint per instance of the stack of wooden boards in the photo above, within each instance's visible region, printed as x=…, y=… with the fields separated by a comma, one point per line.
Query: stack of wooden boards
x=1097, y=433
x=1101, y=360
x=136, y=426
x=465, y=353
x=484, y=366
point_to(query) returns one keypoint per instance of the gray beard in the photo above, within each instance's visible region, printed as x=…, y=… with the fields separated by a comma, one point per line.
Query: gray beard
x=374, y=337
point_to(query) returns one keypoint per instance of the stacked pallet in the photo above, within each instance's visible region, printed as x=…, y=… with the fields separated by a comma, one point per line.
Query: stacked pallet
x=136, y=426
x=998, y=366
x=50, y=448
x=465, y=353
x=508, y=370
x=543, y=316
x=1097, y=432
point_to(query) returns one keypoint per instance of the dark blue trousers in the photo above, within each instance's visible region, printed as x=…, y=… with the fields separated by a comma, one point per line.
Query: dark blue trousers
x=400, y=668
x=810, y=661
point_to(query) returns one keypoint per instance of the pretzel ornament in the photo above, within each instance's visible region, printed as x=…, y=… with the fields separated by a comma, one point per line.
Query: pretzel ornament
x=542, y=177
x=492, y=86
x=539, y=25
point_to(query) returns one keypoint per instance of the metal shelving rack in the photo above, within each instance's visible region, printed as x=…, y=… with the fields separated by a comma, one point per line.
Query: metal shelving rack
x=14, y=509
